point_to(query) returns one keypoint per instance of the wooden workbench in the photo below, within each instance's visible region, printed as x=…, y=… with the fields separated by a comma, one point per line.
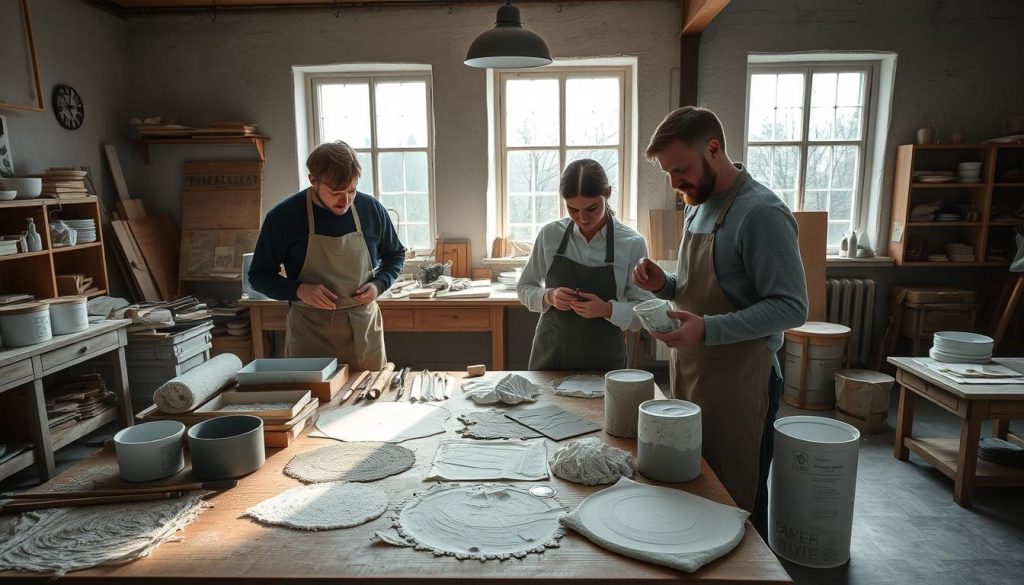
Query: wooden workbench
x=22, y=370
x=425, y=315
x=222, y=546
x=973, y=403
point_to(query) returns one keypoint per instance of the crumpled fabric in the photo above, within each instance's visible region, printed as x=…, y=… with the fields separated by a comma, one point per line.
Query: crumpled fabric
x=591, y=461
x=512, y=389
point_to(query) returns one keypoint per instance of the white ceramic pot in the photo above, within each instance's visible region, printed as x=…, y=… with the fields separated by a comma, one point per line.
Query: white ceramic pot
x=624, y=392
x=68, y=315
x=654, y=315
x=669, y=437
x=27, y=188
x=150, y=451
x=25, y=324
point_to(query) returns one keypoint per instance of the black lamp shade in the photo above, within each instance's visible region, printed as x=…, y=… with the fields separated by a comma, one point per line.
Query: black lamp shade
x=508, y=45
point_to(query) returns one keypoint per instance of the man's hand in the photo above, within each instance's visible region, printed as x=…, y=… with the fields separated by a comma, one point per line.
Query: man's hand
x=366, y=293
x=648, y=275
x=591, y=306
x=690, y=331
x=316, y=295
x=560, y=298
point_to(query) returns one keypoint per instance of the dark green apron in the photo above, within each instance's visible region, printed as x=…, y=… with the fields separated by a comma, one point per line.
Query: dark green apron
x=567, y=341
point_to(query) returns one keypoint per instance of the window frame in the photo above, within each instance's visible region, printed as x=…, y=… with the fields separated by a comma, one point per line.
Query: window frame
x=316, y=80
x=860, y=207
x=624, y=191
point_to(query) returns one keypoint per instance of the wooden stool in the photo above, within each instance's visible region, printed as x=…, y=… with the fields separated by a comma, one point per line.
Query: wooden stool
x=862, y=399
x=811, y=335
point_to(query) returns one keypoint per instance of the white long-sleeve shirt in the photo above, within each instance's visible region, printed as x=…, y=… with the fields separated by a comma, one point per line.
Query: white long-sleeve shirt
x=630, y=247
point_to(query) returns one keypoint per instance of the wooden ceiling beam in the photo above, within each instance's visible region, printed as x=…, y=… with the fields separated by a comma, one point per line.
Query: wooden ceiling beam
x=698, y=14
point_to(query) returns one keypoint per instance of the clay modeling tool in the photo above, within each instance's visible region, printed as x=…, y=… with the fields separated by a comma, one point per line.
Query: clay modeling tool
x=401, y=382
x=449, y=386
x=358, y=381
x=417, y=385
x=366, y=386
x=383, y=378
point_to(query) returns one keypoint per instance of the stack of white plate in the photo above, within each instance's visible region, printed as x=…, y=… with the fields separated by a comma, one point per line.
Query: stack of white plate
x=960, y=347
x=84, y=228
x=508, y=280
x=933, y=177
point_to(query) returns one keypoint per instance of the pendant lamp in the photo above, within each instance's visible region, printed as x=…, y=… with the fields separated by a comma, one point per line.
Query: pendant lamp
x=508, y=45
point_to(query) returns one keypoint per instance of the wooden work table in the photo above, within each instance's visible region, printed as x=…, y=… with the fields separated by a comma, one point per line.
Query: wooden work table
x=223, y=546
x=973, y=403
x=400, y=315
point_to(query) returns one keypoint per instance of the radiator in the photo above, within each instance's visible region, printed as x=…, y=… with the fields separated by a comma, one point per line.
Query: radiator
x=851, y=302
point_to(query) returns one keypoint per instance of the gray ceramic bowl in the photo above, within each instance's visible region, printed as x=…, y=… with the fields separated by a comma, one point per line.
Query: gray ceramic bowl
x=226, y=446
x=150, y=451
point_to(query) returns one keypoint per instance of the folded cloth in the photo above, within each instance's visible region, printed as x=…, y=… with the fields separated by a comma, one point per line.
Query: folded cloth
x=186, y=392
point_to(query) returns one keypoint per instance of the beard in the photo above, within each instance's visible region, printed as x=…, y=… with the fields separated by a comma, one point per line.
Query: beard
x=705, y=185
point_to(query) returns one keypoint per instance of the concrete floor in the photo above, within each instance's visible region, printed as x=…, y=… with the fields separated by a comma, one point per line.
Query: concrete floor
x=907, y=530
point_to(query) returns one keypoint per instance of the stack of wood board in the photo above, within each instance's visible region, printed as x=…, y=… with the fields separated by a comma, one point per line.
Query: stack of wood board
x=64, y=182
x=222, y=206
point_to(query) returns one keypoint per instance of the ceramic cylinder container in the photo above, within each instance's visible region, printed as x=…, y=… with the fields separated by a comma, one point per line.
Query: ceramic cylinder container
x=669, y=439
x=226, y=446
x=654, y=315
x=68, y=315
x=150, y=451
x=624, y=392
x=25, y=324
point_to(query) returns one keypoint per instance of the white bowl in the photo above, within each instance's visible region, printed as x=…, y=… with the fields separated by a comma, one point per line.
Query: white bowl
x=965, y=338
x=150, y=451
x=969, y=165
x=948, y=358
x=28, y=188
x=7, y=195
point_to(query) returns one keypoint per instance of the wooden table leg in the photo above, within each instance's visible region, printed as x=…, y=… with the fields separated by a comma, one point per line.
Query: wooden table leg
x=121, y=390
x=499, y=359
x=1000, y=428
x=39, y=430
x=967, y=458
x=258, y=336
x=904, y=423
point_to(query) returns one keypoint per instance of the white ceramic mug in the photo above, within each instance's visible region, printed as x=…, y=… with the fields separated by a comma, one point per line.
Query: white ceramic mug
x=654, y=315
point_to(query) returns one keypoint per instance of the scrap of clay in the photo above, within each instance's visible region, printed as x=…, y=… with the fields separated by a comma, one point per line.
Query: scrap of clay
x=580, y=386
x=358, y=461
x=512, y=389
x=590, y=461
x=322, y=506
x=475, y=371
x=492, y=424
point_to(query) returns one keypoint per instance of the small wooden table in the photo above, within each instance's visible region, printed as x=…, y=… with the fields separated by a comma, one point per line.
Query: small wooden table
x=427, y=315
x=223, y=546
x=973, y=403
x=23, y=368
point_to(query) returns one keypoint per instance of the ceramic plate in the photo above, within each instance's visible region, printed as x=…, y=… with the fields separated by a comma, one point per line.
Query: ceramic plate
x=659, y=520
x=957, y=359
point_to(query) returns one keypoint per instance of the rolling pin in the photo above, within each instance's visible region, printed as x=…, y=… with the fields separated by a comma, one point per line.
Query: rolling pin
x=382, y=380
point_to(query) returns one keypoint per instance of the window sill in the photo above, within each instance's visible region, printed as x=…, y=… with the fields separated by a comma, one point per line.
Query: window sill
x=511, y=262
x=874, y=261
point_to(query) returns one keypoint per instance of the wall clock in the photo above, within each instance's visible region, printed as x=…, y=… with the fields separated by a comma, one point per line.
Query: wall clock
x=67, y=106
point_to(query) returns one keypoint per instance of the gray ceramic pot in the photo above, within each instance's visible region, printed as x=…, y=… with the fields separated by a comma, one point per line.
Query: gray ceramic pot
x=226, y=446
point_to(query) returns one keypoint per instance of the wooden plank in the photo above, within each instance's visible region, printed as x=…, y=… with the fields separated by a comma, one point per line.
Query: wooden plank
x=131, y=208
x=222, y=195
x=813, y=239
x=115, y=170
x=663, y=235
x=159, y=251
x=698, y=14
x=136, y=261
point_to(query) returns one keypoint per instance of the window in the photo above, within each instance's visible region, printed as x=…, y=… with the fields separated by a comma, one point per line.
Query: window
x=386, y=118
x=808, y=137
x=545, y=120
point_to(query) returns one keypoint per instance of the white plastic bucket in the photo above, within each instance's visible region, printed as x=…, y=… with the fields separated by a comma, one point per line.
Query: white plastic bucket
x=812, y=485
x=246, y=286
x=668, y=440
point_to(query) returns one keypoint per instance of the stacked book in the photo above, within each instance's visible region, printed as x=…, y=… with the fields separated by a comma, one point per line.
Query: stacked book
x=8, y=247
x=64, y=182
x=69, y=402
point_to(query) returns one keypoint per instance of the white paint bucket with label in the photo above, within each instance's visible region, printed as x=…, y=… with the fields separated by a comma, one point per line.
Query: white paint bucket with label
x=669, y=440
x=624, y=392
x=812, y=485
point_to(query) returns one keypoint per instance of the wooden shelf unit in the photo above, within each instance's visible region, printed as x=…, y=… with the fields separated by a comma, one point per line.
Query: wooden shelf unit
x=260, y=142
x=994, y=192
x=35, y=273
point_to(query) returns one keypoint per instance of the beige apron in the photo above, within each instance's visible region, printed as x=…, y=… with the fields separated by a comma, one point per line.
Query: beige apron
x=729, y=382
x=353, y=333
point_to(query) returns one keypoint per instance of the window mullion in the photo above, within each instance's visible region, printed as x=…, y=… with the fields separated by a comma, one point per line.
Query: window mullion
x=562, y=211
x=804, y=138
x=373, y=139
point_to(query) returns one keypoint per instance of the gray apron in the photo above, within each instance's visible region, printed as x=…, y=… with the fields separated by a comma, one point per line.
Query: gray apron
x=727, y=381
x=566, y=341
x=353, y=333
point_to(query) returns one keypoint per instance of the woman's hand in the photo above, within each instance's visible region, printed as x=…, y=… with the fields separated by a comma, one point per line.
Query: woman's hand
x=591, y=307
x=560, y=298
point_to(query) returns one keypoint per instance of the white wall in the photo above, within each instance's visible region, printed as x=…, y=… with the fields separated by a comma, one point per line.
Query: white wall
x=237, y=66
x=958, y=67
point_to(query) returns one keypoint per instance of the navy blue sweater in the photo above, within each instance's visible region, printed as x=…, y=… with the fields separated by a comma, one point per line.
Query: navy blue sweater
x=285, y=231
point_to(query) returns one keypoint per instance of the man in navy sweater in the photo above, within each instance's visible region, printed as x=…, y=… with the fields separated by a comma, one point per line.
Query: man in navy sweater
x=339, y=250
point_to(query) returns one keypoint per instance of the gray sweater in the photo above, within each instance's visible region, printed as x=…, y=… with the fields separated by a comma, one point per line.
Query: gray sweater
x=757, y=262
